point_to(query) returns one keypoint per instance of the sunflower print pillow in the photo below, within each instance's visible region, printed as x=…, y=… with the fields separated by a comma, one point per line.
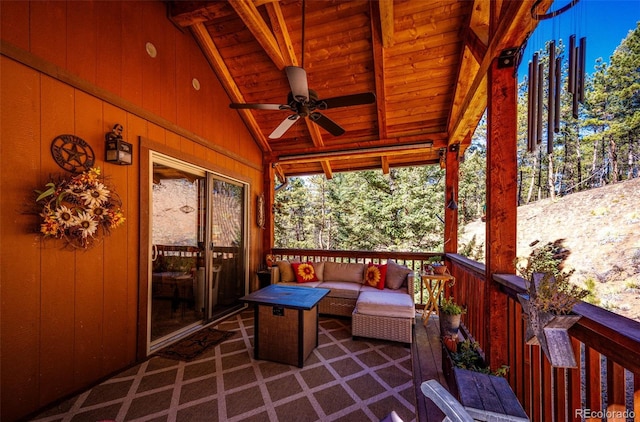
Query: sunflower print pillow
x=304, y=272
x=375, y=275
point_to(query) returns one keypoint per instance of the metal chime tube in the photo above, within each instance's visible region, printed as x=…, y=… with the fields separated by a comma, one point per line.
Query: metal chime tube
x=576, y=81
x=530, y=109
x=558, y=84
x=540, y=102
x=582, y=64
x=533, y=93
x=572, y=65
x=551, y=96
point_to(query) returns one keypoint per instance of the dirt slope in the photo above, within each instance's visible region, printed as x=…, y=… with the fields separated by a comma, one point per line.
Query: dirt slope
x=601, y=228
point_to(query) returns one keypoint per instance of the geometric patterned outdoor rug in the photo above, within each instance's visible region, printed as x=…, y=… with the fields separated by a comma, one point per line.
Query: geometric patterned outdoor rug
x=342, y=380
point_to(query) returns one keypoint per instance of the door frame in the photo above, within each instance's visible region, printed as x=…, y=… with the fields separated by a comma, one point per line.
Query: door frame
x=148, y=149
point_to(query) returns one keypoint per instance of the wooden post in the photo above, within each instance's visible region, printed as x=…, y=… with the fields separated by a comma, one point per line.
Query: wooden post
x=501, y=205
x=451, y=194
x=268, y=187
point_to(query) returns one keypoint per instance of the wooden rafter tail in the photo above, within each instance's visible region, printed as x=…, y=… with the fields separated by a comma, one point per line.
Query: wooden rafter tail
x=582, y=64
x=558, y=84
x=571, y=85
x=534, y=102
x=539, y=107
x=551, y=97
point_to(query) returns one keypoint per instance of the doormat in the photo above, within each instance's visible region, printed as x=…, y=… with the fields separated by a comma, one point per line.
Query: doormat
x=192, y=346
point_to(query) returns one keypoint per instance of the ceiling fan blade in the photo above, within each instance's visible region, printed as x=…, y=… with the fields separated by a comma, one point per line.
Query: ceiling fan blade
x=347, y=100
x=298, y=83
x=284, y=126
x=260, y=106
x=327, y=124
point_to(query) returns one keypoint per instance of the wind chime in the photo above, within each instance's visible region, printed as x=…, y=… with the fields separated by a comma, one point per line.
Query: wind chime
x=575, y=85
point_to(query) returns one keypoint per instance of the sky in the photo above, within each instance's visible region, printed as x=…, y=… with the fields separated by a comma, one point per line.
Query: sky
x=605, y=23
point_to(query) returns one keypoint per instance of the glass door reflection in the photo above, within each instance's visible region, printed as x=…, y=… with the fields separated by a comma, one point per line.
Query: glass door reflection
x=178, y=267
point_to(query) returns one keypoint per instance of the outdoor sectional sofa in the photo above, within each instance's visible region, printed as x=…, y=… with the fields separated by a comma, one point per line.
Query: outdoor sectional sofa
x=387, y=313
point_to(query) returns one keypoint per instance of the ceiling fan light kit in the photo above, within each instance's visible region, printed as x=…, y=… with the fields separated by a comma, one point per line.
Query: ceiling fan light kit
x=304, y=102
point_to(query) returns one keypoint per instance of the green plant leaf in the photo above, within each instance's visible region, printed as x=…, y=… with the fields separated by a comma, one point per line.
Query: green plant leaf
x=48, y=192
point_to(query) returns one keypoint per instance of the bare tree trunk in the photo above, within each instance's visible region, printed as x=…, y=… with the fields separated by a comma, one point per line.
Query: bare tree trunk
x=551, y=178
x=533, y=179
x=630, y=159
x=613, y=159
x=578, y=164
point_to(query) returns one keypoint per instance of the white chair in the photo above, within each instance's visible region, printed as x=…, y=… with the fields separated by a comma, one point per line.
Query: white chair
x=452, y=409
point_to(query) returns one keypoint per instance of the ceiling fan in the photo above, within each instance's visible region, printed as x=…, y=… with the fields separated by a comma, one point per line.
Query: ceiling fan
x=304, y=102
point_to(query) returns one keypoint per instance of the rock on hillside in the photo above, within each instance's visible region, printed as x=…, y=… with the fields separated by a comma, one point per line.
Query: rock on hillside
x=601, y=228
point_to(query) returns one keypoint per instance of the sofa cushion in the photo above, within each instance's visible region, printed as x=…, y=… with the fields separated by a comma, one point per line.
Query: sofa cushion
x=366, y=288
x=382, y=303
x=304, y=272
x=343, y=289
x=286, y=271
x=375, y=275
x=319, y=266
x=396, y=274
x=352, y=272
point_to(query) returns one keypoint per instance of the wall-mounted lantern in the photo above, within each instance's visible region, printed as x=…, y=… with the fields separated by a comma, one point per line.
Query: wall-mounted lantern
x=117, y=151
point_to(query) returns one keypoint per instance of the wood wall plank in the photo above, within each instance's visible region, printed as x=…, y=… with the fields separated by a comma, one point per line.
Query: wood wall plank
x=48, y=31
x=15, y=23
x=19, y=255
x=116, y=252
x=82, y=41
x=89, y=266
x=57, y=334
x=109, y=42
x=132, y=51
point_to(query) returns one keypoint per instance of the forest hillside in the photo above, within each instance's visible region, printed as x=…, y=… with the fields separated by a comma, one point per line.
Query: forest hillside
x=601, y=230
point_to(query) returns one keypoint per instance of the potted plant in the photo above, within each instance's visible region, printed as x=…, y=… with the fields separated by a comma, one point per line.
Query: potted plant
x=450, y=314
x=549, y=304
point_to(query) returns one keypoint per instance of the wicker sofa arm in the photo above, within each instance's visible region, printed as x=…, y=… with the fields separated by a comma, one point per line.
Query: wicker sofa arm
x=411, y=287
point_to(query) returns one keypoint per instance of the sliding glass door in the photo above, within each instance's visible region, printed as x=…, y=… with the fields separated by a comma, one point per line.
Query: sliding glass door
x=198, y=259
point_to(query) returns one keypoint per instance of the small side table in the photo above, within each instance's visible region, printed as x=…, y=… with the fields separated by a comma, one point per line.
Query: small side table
x=434, y=284
x=264, y=278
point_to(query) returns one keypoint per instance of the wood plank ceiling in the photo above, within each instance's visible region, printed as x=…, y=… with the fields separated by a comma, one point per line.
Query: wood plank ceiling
x=426, y=62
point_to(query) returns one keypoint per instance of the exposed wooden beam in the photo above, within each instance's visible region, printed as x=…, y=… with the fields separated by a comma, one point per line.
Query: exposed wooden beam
x=378, y=71
x=252, y=18
x=357, y=154
x=386, y=22
x=184, y=14
x=512, y=28
x=213, y=55
x=326, y=167
x=475, y=45
x=281, y=32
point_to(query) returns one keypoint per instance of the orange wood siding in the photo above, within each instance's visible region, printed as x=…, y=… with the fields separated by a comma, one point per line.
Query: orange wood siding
x=69, y=317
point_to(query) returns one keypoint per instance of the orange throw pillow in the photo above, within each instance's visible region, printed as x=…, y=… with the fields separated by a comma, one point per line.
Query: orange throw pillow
x=375, y=275
x=304, y=272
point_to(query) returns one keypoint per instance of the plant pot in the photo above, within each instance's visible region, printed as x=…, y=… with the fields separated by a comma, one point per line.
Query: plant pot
x=449, y=324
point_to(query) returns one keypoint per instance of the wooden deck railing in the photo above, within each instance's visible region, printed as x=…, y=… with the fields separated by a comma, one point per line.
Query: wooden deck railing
x=605, y=386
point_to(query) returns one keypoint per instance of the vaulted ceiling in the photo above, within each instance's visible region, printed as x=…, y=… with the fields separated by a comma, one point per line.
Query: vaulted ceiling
x=426, y=62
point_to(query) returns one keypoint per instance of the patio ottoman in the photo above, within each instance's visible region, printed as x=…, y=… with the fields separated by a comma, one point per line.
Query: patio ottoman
x=385, y=315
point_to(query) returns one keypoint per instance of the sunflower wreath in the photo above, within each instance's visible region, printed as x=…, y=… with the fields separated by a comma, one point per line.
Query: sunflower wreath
x=79, y=209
